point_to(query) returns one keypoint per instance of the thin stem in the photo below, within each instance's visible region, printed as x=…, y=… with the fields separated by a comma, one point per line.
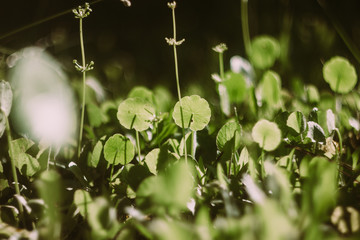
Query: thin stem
x=338, y=155
x=13, y=167
x=221, y=65
x=178, y=82
x=138, y=145
x=83, y=88
x=245, y=26
x=48, y=160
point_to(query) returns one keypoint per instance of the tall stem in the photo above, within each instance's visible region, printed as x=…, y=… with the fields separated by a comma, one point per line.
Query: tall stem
x=178, y=81
x=245, y=26
x=83, y=88
x=221, y=65
x=138, y=146
x=13, y=167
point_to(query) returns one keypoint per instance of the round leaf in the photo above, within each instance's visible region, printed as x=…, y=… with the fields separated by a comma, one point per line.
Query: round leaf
x=267, y=134
x=264, y=52
x=6, y=96
x=142, y=92
x=135, y=113
x=340, y=74
x=236, y=86
x=118, y=149
x=230, y=131
x=196, y=112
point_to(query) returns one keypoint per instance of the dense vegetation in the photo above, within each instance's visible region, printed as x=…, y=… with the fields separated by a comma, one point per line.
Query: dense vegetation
x=270, y=156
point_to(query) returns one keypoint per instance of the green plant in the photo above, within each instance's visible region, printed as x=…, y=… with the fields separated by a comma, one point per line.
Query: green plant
x=81, y=13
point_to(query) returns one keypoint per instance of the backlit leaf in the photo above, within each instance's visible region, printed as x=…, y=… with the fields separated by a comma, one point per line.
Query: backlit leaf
x=267, y=134
x=340, y=74
x=231, y=131
x=196, y=112
x=118, y=149
x=136, y=113
x=264, y=51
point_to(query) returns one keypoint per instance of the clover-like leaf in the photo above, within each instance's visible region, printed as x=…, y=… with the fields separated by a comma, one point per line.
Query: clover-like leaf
x=196, y=112
x=267, y=134
x=118, y=149
x=340, y=74
x=230, y=131
x=236, y=86
x=136, y=113
x=6, y=96
x=264, y=51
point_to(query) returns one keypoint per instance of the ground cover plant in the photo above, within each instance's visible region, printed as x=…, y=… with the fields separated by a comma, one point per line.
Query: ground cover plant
x=262, y=159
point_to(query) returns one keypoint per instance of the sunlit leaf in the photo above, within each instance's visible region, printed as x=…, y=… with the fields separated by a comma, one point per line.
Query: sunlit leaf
x=313, y=94
x=136, y=113
x=330, y=120
x=118, y=149
x=195, y=110
x=315, y=132
x=96, y=154
x=235, y=86
x=340, y=74
x=142, y=92
x=271, y=89
x=231, y=131
x=267, y=134
x=151, y=160
x=82, y=200
x=297, y=121
x=26, y=163
x=264, y=51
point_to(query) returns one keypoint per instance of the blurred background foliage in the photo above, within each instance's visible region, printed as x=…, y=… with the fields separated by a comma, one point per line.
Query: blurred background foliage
x=128, y=45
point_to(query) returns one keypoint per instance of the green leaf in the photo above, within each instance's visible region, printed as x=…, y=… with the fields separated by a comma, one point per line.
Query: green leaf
x=26, y=163
x=267, y=134
x=95, y=115
x=315, y=132
x=236, y=86
x=313, y=94
x=264, y=51
x=231, y=131
x=196, y=112
x=6, y=97
x=118, y=149
x=136, y=113
x=151, y=160
x=82, y=200
x=340, y=74
x=163, y=99
x=297, y=121
x=169, y=190
x=142, y=92
x=96, y=154
x=271, y=89
x=49, y=187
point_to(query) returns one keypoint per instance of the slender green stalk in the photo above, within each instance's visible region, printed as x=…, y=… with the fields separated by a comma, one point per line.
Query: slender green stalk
x=81, y=13
x=174, y=43
x=83, y=88
x=245, y=26
x=138, y=145
x=13, y=167
x=338, y=155
x=221, y=65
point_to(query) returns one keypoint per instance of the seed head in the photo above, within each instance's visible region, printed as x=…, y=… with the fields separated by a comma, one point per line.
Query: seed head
x=172, y=5
x=220, y=48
